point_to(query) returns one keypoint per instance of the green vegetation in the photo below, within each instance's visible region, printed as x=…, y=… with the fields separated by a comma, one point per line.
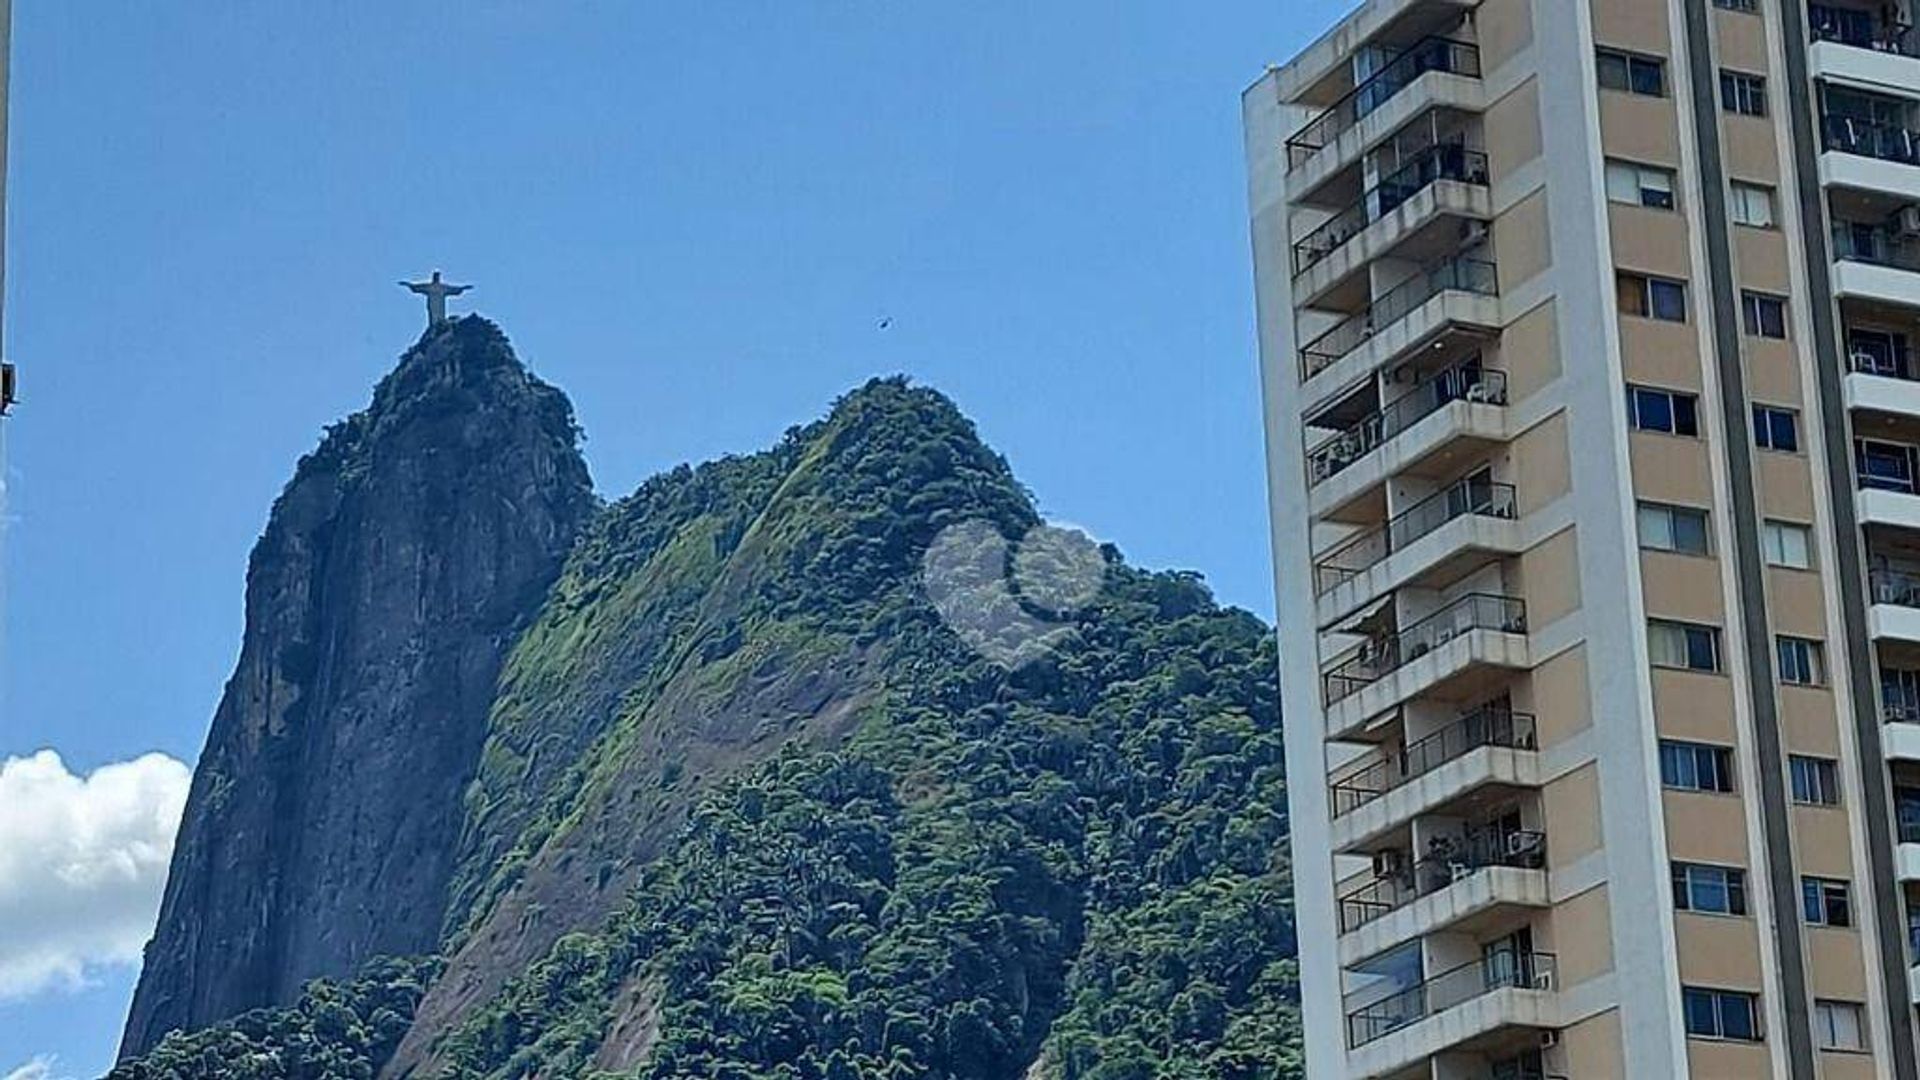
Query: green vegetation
x=1070, y=871
x=337, y=1032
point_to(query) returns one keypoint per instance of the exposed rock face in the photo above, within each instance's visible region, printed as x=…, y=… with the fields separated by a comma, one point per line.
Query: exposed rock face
x=395, y=572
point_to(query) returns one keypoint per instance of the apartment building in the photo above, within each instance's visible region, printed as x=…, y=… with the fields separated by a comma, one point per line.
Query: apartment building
x=1588, y=335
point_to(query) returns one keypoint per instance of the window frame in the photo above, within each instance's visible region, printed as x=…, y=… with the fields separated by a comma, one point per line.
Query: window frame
x=1687, y=757
x=1637, y=174
x=1633, y=68
x=1826, y=1032
x=1813, y=781
x=1776, y=428
x=1800, y=661
x=1764, y=315
x=1696, y=639
x=1731, y=886
x=1774, y=549
x=1741, y=198
x=1743, y=93
x=1717, y=1000
x=1669, y=515
x=1826, y=901
x=1682, y=411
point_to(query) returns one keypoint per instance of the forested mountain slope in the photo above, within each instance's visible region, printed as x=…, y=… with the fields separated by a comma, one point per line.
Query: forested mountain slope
x=748, y=806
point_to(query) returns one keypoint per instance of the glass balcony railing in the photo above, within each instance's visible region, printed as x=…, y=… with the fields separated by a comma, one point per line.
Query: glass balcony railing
x=1870, y=138
x=1490, y=726
x=1430, y=54
x=1382, y=656
x=1449, y=859
x=1900, y=588
x=1445, y=161
x=1875, y=244
x=1501, y=969
x=1462, y=498
x=1466, y=381
x=1459, y=274
x=1860, y=29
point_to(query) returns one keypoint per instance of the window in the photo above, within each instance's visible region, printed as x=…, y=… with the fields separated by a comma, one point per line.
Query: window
x=1751, y=6
x=1721, y=1014
x=1667, y=411
x=1816, y=782
x=1742, y=93
x=1765, y=316
x=1713, y=890
x=1640, y=185
x=1826, y=902
x=1787, y=544
x=1840, y=1025
x=1683, y=645
x=1651, y=297
x=1802, y=661
x=1691, y=766
x=1776, y=429
x=1632, y=72
x=1750, y=205
x=1673, y=528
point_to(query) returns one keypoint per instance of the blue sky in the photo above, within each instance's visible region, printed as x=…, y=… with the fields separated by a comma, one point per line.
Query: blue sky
x=691, y=217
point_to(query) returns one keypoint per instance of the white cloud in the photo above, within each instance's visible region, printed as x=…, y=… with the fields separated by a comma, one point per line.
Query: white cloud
x=83, y=861
x=40, y=1068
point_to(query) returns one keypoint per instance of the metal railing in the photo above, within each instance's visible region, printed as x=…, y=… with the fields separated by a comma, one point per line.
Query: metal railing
x=1448, y=860
x=1894, y=711
x=1442, y=161
x=1462, y=498
x=1869, y=138
x=1892, y=363
x=1429, y=54
x=1860, y=30
x=1491, y=725
x=1875, y=467
x=1466, y=381
x=1458, y=274
x=1900, y=588
x=1498, y=970
x=1381, y=657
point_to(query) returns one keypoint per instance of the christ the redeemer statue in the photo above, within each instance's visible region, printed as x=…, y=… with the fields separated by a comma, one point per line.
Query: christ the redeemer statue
x=436, y=292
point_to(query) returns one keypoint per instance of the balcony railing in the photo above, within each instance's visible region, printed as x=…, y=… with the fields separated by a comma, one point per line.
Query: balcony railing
x=1383, y=656
x=1870, y=138
x=1458, y=274
x=1887, y=359
x=1443, y=161
x=1449, y=859
x=1466, y=381
x=1900, y=588
x=1876, y=245
x=1886, y=466
x=1488, y=726
x=1462, y=498
x=1860, y=30
x=1430, y=54
x=1498, y=970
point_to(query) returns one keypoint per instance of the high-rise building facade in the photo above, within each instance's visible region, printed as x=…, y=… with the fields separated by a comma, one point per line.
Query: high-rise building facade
x=1589, y=332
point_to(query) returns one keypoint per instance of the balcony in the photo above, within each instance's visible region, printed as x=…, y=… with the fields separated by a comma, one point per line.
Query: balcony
x=1855, y=43
x=1411, y=214
x=1434, y=54
x=1450, y=860
x=1880, y=375
x=1467, y=381
x=1894, y=596
x=1511, y=988
x=1457, y=292
x=1869, y=142
x=1874, y=262
x=1887, y=474
x=1445, y=649
x=1491, y=726
x=1392, y=556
